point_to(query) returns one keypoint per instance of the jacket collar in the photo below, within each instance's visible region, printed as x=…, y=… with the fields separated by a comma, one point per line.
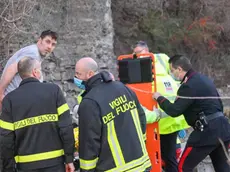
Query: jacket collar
x=188, y=75
x=28, y=80
x=93, y=82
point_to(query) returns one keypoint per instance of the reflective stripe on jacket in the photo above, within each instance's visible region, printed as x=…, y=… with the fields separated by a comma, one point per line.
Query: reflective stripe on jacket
x=36, y=126
x=111, y=128
x=168, y=87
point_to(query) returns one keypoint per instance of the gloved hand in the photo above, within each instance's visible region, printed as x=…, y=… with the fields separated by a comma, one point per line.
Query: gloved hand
x=75, y=114
x=152, y=116
x=182, y=134
x=158, y=113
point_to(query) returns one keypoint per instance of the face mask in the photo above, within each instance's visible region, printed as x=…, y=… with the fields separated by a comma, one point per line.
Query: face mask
x=41, y=78
x=79, y=83
x=174, y=77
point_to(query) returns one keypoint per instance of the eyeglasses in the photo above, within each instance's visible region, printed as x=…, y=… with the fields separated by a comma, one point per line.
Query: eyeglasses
x=140, y=44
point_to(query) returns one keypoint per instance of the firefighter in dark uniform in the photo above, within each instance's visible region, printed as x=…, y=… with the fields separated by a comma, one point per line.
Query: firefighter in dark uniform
x=36, y=129
x=111, y=123
x=205, y=115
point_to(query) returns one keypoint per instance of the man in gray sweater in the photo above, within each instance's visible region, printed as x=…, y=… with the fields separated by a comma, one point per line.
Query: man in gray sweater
x=10, y=78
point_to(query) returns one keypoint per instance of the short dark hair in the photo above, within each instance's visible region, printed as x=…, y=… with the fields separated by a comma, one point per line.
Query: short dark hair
x=182, y=61
x=50, y=33
x=25, y=66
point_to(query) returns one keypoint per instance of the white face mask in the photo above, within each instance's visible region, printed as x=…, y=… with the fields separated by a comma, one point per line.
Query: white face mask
x=41, y=78
x=174, y=77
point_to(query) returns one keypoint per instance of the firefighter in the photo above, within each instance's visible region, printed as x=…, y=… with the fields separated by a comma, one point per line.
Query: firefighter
x=78, y=84
x=35, y=126
x=10, y=78
x=168, y=126
x=111, y=123
x=205, y=115
x=75, y=115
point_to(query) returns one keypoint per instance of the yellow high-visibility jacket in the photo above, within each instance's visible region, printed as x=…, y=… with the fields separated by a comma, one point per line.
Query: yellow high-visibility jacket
x=168, y=87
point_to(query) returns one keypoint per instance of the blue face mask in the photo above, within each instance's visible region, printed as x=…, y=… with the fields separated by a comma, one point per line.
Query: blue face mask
x=79, y=83
x=173, y=76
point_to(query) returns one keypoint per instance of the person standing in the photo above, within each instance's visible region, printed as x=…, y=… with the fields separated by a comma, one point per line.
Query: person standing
x=203, y=113
x=10, y=78
x=168, y=126
x=111, y=123
x=36, y=129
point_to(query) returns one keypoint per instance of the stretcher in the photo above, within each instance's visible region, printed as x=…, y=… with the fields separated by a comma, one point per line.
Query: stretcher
x=142, y=86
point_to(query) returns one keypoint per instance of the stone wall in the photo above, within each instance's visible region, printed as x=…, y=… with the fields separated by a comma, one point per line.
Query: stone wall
x=88, y=32
x=85, y=29
x=97, y=28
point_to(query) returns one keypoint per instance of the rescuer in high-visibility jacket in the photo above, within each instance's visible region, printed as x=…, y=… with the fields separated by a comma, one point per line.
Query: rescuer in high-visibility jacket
x=168, y=126
x=111, y=123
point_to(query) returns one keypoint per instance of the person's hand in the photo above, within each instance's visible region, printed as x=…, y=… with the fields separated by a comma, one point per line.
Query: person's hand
x=156, y=95
x=75, y=110
x=158, y=113
x=75, y=115
x=69, y=167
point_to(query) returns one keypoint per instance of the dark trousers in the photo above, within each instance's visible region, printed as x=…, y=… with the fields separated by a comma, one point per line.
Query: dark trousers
x=168, y=151
x=57, y=168
x=192, y=156
x=148, y=169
